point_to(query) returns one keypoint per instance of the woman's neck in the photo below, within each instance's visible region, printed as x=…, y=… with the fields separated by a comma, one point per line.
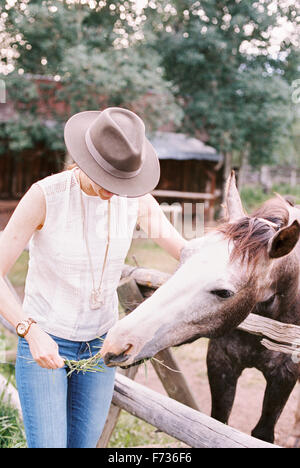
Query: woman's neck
x=84, y=183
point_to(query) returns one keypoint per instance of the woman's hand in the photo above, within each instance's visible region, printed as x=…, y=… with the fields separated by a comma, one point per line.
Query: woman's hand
x=43, y=348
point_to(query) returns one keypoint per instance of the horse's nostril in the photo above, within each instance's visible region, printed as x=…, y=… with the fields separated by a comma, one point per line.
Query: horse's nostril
x=115, y=359
x=128, y=349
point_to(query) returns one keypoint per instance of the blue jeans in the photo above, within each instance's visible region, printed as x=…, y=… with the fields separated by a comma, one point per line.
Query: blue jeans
x=62, y=411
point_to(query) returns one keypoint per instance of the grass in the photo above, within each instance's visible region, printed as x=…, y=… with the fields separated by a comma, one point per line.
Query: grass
x=253, y=196
x=133, y=432
x=11, y=429
x=149, y=255
x=18, y=272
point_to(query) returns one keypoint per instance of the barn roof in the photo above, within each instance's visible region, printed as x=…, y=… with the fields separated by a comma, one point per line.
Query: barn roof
x=170, y=145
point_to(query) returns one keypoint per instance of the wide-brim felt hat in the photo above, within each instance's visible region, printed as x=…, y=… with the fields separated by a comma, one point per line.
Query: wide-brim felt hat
x=111, y=148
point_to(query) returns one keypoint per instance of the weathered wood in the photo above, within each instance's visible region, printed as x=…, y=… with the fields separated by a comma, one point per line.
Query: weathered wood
x=185, y=195
x=280, y=336
x=10, y=395
x=283, y=337
x=129, y=294
x=281, y=348
x=179, y=421
x=145, y=276
x=173, y=379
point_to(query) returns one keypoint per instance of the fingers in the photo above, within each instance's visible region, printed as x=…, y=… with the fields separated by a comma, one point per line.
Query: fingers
x=50, y=362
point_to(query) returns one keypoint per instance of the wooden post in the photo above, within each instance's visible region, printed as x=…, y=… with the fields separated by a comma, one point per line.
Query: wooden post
x=172, y=379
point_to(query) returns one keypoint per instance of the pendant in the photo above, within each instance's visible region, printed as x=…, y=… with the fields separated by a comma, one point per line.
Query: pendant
x=95, y=300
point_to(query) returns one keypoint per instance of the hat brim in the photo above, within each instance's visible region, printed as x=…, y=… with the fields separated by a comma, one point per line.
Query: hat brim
x=144, y=182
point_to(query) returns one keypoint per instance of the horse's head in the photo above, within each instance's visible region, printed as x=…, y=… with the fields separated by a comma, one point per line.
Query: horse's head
x=222, y=276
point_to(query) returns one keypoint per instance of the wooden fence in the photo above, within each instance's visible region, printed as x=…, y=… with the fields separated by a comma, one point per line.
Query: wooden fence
x=19, y=171
x=209, y=199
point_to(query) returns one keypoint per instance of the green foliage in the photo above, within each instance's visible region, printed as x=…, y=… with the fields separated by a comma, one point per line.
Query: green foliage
x=83, y=48
x=128, y=78
x=11, y=429
x=253, y=196
x=234, y=85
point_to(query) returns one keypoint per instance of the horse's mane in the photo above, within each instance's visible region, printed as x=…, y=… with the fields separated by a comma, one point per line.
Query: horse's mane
x=250, y=235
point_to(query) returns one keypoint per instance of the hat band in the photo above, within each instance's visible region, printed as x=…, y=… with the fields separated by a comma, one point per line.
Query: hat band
x=105, y=164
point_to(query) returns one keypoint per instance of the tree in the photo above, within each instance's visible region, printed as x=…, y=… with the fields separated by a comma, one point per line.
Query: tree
x=233, y=80
x=94, y=58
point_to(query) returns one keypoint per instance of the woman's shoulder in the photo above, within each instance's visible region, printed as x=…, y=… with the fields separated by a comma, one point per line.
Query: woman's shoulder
x=54, y=183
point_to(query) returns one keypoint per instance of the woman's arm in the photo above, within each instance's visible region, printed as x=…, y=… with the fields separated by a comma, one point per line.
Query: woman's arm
x=28, y=216
x=158, y=228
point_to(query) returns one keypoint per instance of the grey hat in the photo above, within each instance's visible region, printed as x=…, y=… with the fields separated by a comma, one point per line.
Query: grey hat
x=112, y=150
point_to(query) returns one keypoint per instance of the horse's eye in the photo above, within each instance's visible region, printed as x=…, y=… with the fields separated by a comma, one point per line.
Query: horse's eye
x=269, y=301
x=223, y=293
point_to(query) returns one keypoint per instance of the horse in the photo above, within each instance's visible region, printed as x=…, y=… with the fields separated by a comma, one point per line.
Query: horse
x=230, y=354
x=247, y=264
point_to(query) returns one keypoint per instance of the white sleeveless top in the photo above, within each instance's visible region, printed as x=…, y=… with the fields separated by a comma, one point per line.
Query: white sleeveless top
x=59, y=280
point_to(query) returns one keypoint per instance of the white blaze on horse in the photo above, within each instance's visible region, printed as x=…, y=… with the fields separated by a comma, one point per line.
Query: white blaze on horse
x=222, y=277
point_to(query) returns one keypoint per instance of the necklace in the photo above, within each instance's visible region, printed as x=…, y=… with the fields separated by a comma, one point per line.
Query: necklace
x=96, y=301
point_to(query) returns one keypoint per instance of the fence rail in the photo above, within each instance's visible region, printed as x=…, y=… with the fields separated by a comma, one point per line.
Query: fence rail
x=186, y=424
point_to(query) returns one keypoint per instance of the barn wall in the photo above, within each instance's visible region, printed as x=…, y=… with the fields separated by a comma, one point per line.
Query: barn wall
x=19, y=172
x=186, y=176
x=190, y=176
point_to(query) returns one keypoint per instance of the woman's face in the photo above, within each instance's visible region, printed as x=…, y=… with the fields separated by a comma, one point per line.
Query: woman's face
x=100, y=191
x=94, y=189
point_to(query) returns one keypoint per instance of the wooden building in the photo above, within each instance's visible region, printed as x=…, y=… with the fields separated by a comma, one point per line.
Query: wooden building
x=190, y=167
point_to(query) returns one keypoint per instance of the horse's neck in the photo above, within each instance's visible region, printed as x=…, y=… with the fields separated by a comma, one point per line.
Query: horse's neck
x=285, y=312
x=286, y=288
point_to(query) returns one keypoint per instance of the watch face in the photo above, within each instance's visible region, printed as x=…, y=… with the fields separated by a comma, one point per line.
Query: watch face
x=22, y=328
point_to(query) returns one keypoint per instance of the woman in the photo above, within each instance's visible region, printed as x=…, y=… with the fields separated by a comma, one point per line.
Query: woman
x=80, y=224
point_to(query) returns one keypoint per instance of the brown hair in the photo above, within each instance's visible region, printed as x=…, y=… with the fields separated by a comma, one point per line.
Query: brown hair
x=68, y=166
x=250, y=235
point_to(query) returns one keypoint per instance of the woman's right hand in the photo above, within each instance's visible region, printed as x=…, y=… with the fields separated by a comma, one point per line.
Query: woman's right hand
x=43, y=348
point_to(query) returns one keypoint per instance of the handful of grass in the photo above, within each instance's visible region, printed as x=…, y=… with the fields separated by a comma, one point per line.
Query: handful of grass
x=85, y=365
x=92, y=365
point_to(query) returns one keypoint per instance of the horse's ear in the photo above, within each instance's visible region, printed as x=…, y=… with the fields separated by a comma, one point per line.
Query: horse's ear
x=283, y=242
x=233, y=204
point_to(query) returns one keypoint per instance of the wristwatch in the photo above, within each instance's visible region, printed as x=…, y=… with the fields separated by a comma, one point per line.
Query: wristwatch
x=23, y=327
